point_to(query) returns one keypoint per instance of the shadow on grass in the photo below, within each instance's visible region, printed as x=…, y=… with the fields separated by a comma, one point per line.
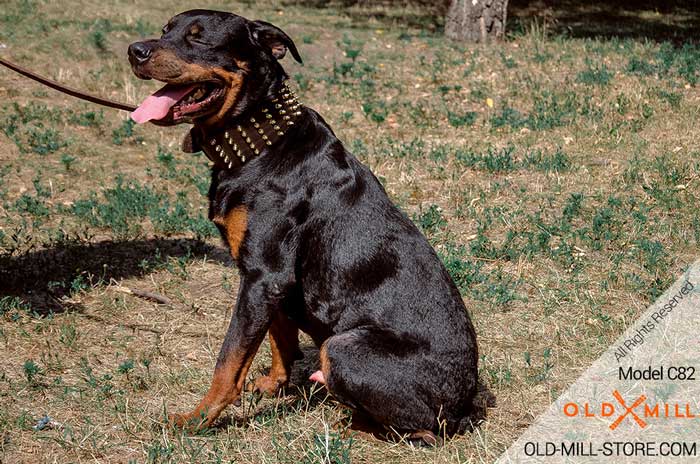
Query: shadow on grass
x=44, y=278
x=676, y=21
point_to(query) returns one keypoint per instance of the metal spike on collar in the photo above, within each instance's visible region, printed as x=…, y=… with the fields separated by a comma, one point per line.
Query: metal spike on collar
x=267, y=125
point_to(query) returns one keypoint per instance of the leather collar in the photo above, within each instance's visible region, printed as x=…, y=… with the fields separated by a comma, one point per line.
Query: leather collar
x=243, y=139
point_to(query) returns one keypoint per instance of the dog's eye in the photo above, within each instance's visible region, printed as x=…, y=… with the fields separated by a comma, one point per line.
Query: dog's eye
x=194, y=35
x=166, y=29
x=196, y=39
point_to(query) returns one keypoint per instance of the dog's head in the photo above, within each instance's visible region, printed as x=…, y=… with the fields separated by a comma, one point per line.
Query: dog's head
x=215, y=65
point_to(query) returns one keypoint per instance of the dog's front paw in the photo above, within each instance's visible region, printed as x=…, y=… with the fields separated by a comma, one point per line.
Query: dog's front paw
x=203, y=415
x=268, y=385
x=189, y=421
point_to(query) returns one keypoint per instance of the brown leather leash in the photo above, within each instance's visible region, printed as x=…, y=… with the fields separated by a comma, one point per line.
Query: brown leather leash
x=67, y=90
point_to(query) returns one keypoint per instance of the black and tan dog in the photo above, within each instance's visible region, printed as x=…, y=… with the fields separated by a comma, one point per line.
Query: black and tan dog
x=319, y=245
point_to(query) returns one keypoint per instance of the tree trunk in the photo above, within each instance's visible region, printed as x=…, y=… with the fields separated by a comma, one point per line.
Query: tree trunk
x=476, y=20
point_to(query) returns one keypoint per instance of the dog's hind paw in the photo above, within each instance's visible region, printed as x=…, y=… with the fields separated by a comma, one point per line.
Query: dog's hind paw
x=267, y=385
x=423, y=438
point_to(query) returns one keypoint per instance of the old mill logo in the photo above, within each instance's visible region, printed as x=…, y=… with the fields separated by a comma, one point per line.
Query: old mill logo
x=639, y=411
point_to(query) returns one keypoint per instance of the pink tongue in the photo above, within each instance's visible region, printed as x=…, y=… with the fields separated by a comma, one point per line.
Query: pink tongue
x=158, y=105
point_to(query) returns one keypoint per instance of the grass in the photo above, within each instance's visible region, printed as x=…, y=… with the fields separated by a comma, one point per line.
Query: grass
x=556, y=177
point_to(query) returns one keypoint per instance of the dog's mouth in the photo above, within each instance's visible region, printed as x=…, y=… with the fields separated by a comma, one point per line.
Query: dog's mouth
x=178, y=103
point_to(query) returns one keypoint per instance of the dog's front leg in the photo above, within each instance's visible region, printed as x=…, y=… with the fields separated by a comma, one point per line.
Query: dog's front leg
x=257, y=303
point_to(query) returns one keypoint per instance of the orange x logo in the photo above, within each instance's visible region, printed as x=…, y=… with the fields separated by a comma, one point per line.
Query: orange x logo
x=628, y=410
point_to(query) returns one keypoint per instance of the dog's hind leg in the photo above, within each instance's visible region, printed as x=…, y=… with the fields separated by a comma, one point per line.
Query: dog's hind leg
x=376, y=373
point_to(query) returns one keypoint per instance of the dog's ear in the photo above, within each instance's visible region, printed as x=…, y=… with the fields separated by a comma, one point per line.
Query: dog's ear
x=274, y=39
x=191, y=142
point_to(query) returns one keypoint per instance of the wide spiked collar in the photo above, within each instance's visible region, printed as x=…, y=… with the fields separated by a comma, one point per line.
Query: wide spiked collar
x=243, y=139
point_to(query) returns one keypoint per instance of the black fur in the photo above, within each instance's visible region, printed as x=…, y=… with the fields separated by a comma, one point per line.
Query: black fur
x=326, y=246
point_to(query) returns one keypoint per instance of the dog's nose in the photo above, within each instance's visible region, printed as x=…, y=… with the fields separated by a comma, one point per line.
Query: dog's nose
x=139, y=52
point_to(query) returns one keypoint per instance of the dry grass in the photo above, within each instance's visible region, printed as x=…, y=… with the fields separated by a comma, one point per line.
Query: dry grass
x=558, y=178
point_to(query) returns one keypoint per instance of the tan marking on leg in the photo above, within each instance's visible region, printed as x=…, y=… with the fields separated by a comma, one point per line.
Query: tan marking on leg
x=226, y=387
x=234, y=224
x=325, y=361
x=284, y=344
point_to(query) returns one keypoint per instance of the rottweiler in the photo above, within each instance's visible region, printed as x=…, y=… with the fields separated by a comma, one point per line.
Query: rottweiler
x=319, y=245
